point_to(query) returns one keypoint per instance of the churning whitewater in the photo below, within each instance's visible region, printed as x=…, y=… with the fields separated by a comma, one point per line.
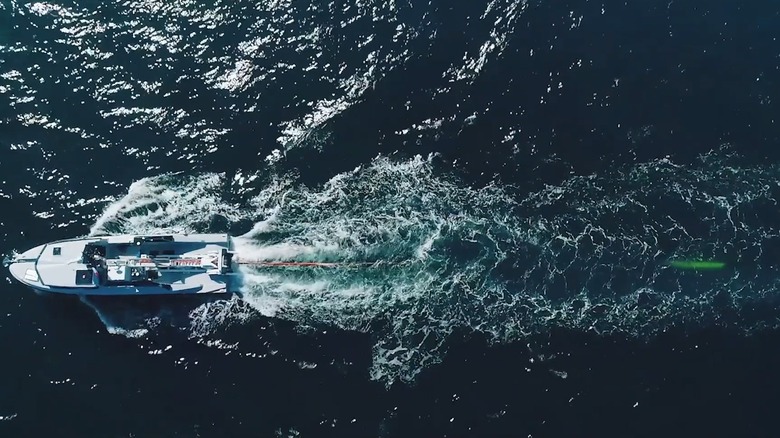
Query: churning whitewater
x=590, y=254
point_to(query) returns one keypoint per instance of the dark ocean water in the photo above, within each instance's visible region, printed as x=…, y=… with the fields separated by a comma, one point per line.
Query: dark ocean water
x=525, y=169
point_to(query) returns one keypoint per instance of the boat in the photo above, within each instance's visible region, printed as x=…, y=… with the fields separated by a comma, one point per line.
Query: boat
x=174, y=264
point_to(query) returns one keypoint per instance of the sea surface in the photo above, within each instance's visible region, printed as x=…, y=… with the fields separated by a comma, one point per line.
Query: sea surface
x=521, y=171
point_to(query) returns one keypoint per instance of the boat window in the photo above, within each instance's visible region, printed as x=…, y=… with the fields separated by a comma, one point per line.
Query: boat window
x=83, y=276
x=152, y=239
x=57, y=250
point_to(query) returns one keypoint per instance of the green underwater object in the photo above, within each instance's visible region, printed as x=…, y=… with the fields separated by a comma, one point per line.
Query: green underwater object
x=697, y=265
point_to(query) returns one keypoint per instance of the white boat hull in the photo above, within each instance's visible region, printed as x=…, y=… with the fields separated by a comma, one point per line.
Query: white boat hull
x=130, y=265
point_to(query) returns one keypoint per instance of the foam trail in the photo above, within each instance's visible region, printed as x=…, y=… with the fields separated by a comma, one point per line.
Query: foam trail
x=263, y=225
x=114, y=327
x=169, y=204
x=139, y=188
x=590, y=254
x=283, y=251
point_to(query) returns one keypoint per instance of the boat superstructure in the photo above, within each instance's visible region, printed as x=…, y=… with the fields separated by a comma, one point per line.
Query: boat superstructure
x=130, y=265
